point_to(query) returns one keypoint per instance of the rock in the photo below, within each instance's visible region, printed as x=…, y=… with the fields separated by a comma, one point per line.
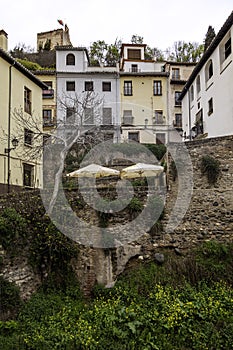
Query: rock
x=159, y=258
x=178, y=251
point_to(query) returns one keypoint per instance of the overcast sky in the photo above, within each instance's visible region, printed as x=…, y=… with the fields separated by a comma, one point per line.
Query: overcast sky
x=160, y=23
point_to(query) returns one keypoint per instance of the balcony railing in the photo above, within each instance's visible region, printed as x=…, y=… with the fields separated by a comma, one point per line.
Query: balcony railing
x=176, y=76
x=134, y=70
x=48, y=93
x=177, y=124
x=128, y=120
x=48, y=121
x=161, y=120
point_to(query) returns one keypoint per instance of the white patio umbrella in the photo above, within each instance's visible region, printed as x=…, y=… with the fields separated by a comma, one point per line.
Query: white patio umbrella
x=141, y=170
x=94, y=170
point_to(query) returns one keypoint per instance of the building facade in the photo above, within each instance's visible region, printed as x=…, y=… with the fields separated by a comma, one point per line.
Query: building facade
x=207, y=97
x=49, y=109
x=76, y=80
x=144, y=98
x=20, y=107
x=150, y=90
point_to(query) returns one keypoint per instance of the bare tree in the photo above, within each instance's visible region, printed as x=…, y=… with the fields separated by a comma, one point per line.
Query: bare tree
x=81, y=116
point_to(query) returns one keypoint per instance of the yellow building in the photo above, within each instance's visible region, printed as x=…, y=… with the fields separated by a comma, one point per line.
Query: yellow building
x=144, y=96
x=20, y=109
x=49, y=99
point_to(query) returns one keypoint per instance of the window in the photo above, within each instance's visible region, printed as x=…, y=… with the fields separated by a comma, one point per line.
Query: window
x=133, y=136
x=28, y=175
x=192, y=93
x=160, y=138
x=28, y=137
x=89, y=116
x=106, y=86
x=177, y=96
x=70, y=59
x=159, y=119
x=178, y=120
x=70, y=112
x=210, y=70
x=47, y=117
x=107, y=116
x=27, y=100
x=70, y=86
x=157, y=87
x=198, y=84
x=128, y=88
x=127, y=117
x=134, y=54
x=210, y=106
x=89, y=86
x=227, y=48
x=198, y=128
x=176, y=73
x=134, y=68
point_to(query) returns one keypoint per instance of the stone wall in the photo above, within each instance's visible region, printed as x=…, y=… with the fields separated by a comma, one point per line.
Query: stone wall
x=209, y=216
x=210, y=213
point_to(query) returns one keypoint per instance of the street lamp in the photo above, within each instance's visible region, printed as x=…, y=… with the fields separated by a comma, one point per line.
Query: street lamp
x=15, y=143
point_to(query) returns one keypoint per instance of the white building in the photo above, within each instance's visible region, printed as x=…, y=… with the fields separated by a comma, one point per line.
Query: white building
x=76, y=78
x=207, y=98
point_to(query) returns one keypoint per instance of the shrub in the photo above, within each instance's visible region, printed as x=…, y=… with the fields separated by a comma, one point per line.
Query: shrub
x=10, y=301
x=135, y=205
x=29, y=65
x=210, y=167
x=158, y=150
x=12, y=226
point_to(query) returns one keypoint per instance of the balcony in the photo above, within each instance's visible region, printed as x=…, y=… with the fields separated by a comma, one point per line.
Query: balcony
x=177, y=124
x=159, y=120
x=175, y=76
x=48, y=121
x=48, y=93
x=128, y=120
x=134, y=70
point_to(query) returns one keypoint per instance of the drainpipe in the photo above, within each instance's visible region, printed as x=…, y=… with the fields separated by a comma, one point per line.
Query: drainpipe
x=189, y=107
x=9, y=130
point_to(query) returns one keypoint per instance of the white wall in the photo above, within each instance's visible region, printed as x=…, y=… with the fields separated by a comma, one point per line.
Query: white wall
x=220, y=89
x=81, y=60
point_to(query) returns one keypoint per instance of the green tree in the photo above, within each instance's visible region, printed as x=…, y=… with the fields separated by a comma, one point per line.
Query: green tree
x=97, y=52
x=185, y=52
x=210, y=35
x=136, y=39
x=158, y=54
x=102, y=53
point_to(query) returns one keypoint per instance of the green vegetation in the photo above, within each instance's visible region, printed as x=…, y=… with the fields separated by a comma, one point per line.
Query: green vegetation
x=178, y=305
x=12, y=227
x=32, y=66
x=10, y=301
x=158, y=150
x=211, y=167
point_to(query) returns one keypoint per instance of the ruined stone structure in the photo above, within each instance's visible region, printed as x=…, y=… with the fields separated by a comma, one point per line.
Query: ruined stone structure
x=208, y=217
x=57, y=37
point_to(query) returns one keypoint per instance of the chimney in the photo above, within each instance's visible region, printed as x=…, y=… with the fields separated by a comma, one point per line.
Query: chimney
x=3, y=40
